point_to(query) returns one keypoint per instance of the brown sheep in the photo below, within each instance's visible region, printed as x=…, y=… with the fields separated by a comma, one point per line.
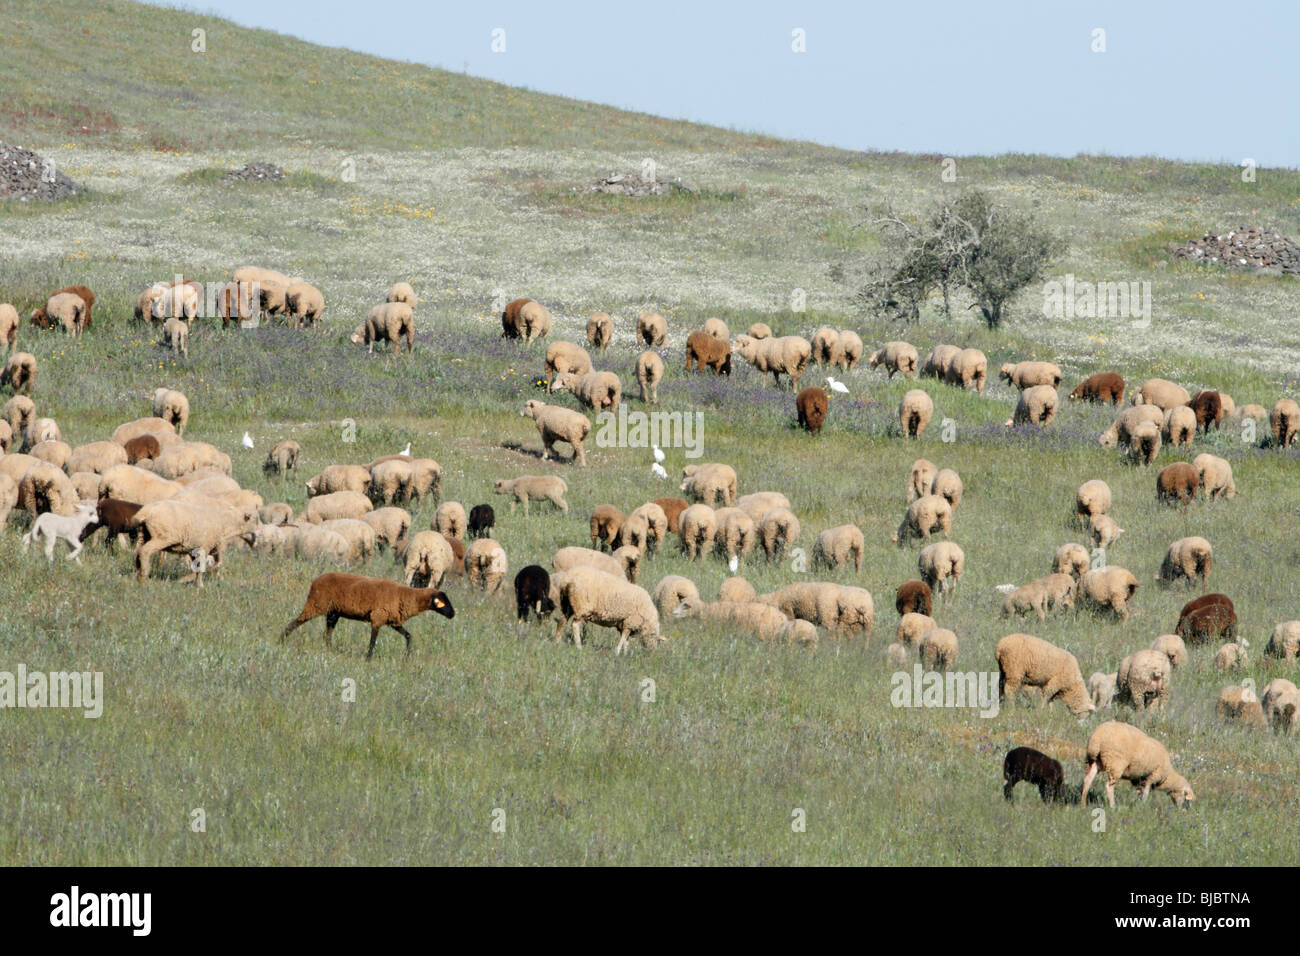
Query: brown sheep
x=702, y=350
x=140, y=448
x=1209, y=410
x=378, y=601
x=41, y=319
x=913, y=597
x=673, y=508
x=811, y=405
x=1209, y=617
x=1177, y=482
x=1102, y=387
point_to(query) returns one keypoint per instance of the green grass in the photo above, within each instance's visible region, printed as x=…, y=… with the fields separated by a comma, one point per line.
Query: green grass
x=205, y=709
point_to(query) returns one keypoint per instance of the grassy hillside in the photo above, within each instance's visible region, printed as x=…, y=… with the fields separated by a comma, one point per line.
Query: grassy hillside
x=205, y=709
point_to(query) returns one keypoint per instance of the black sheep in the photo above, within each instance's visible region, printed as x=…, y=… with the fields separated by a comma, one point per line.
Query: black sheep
x=1034, y=767
x=533, y=592
x=481, y=520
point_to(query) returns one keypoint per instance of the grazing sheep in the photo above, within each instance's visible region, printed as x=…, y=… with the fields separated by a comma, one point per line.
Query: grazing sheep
x=969, y=367
x=1284, y=642
x=759, y=330
x=645, y=528
x=69, y=311
x=941, y=566
x=19, y=373
x=778, y=529
x=938, y=650
x=485, y=565
x=555, y=423
x=717, y=328
x=947, y=485
x=304, y=303
x=1120, y=432
x=1230, y=657
x=1105, y=531
x=762, y=620
x=176, y=300
x=533, y=593
x=428, y=558
x=510, y=318
x=337, y=478
x=671, y=591
x=1143, y=680
x=390, y=481
x=937, y=362
x=896, y=656
x=390, y=322
x=56, y=452
x=924, y=516
x=1162, y=393
x=1179, y=426
x=841, y=610
x=172, y=407
x=116, y=518
x=1102, y=387
x=1279, y=703
x=914, y=413
x=913, y=597
x=1025, y=375
x=1036, y=769
x=606, y=521
x=141, y=448
x=1284, y=421
x=698, y=527
x=1187, y=558
x=338, y=504
x=1208, y=407
x=737, y=590
x=71, y=528
x=361, y=538
x=897, y=357
x=535, y=321
x=402, y=292
x=1252, y=410
x=283, y=456
x=587, y=595
x=600, y=330
x=651, y=328
x=599, y=390
x=1054, y=591
x=450, y=518
x=913, y=626
x=649, y=373
x=85, y=484
x=1037, y=405
x=8, y=326
x=759, y=503
x=787, y=355
x=1172, y=646
x=1177, y=482
x=176, y=333
x=481, y=520
x=129, y=483
x=181, y=459
x=161, y=430
x=825, y=346
x=391, y=525
x=1239, y=704
x=1125, y=753
x=528, y=488
x=44, y=487
x=1215, y=476
x=1102, y=689
x=920, y=481
x=1092, y=498
x=42, y=429
x=426, y=480
x=235, y=303
x=736, y=534
x=850, y=349
x=377, y=601
x=1207, y=617
x=705, y=351
x=565, y=358
x=1025, y=660
x=180, y=527
x=810, y=408
x=838, y=546
x=709, y=482
x=1109, y=588
x=1227, y=403
x=280, y=513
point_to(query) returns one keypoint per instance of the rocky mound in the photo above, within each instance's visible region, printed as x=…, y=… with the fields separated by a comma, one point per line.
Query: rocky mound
x=25, y=176
x=1248, y=247
x=255, y=173
x=634, y=185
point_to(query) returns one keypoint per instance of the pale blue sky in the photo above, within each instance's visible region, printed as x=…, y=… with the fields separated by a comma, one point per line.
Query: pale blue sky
x=1195, y=79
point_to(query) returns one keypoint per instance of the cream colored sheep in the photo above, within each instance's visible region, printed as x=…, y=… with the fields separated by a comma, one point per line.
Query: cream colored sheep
x=1178, y=426
x=42, y=429
x=1071, y=559
x=778, y=530
x=947, y=485
x=1284, y=642
x=649, y=373
x=651, y=328
x=1025, y=375
x=1144, y=443
x=1120, y=432
x=176, y=301
x=44, y=487
x=19, y=412
x=1028, y=661
x=337, y=478
x=1160, y=392
x=591, y=596
x=697, y=527
x=645, y=528
x=361, y=538
x=759, y=503
x=1101, y=689
x=527, y=488
x=1105, y=531
x=1092, y=498
x=305, y=303
x=69, y=311
x=86, y=484
x=1125, y=753
x=762, y=620
x=450, y=518
x=709, y=482
x=897, y=358
x=8, y=497
x=625, y=562
x=841, y=610
x=599, y=390
x=1284, y=422
x=135, y=485
x=564, y=358
x=54, y=451
x=913, y=626
x=555, y=423
x=840, y=545
x=1252, y=410
x=8, y=326
x=535, y=321
x=391, y=525
x=759, y=330
x=1280, y=702
x=1216, y=476
x=163, y=431
x=1240, y=705
x=914, y=413
x=429, y=558
x=969, y=367
x=183, y=458
x=941, y=566
x=485, y=564
x=937, y=362
x=402, y=292
x=389, y=322
x=600, y=330
x=1144, y=680
x=6, y=437
x=671, y=591
x=938, y=649
x=850, y=349
x=19, y=373
x=172, y=407
x=825, y=345
x=920, y=480
x=1231, y=657
x=276, y=513
x=1041, y=595
x=736, y=534
x=180, y=527
x=176, y=333
x=311, y=543
x=925, y=516
x=426, y=479
x=390, y=481
x=338, y=504
x=1187, y=559
x=1037, y=405
x=1107, y=588
x=787, y=355
x=1172, y=646
x=16, y=465
x=717, y=329
x=737, y=590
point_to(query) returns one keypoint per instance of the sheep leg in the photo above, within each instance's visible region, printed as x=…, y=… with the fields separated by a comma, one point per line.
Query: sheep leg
x=374, y=635
x=577, y=632
x=144, y=552
x=405, y=633
x=1088, y=777
x=75, y=553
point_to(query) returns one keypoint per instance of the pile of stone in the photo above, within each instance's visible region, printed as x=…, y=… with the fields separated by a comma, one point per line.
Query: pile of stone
x=633, y=185
x=25, y=176
x=255, y=173
x=1248, y=247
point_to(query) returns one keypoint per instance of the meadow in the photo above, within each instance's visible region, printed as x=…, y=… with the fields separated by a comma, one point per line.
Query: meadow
x=473, y=201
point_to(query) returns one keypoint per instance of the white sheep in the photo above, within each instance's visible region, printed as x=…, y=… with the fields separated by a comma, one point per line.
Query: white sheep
x=67, y=527
x=588, y=595
x=1126, y=753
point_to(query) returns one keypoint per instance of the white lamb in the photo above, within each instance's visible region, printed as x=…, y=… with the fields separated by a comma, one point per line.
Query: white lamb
x=67, y=527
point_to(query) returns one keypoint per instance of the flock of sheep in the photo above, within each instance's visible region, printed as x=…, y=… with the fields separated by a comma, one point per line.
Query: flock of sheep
x=147, y=483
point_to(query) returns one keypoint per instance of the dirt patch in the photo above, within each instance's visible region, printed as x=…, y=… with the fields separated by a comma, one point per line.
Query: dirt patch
x=25, y=176
x=255, y=173
x=632, y=184
x=1248, y=247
